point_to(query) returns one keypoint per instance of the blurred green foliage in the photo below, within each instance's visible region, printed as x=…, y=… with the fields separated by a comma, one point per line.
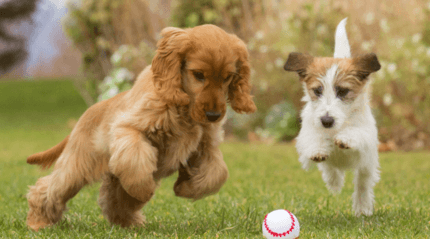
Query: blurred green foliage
x=192, y=13
x=235, y=16
x=272, y=30
x=120, y=78
x=281, y=121
x=83, y=25
x=99, y=28
x=401, y=91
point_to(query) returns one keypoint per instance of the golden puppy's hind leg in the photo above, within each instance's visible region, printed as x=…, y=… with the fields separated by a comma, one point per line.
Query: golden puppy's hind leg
x=73, y=170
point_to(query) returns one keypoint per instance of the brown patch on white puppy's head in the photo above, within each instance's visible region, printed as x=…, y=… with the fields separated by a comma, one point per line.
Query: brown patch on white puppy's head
x=353, y=75
x=348, y=79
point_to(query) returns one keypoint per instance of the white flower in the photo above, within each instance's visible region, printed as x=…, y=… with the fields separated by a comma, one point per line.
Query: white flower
x=113, y=91
x=384, y=25
x=387, y=99
x=322, y=29
x=263, y=133
x=264, y=85
x=407, y=53
x=421, y=49
x=380, y=74
x=259, y=35
x=116, y=58
x=415, y=63
x=269, y=66
x=391, y=68
x=279, y=62
x=416, y=37
x=263, y=49
x=369, y=18
x=108, y=80
x=124, y=74
x=366, y=45
x=399, y=42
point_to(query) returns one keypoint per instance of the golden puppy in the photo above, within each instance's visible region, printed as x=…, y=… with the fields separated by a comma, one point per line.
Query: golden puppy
x=170, y=120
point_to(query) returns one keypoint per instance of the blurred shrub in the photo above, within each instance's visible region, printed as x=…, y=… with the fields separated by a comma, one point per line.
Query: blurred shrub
x=117, y=81
x=120, y=78
x=401, y=92
x=273, y=29
x=281, y=122
x=236, y=16
x=99, y=27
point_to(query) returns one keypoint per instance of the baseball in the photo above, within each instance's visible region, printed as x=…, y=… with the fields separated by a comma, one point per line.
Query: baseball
x=281, y=224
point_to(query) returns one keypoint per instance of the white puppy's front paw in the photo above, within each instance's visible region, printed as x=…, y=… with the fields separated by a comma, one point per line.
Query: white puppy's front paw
x=366, y=210
x=345, y=142
x=341, y=144
x=320, y=157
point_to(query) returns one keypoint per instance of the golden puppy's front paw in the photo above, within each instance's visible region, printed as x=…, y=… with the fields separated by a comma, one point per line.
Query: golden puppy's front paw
x=184, y=189
x=244, y=105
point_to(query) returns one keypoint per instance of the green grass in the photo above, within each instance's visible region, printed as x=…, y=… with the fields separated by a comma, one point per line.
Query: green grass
x=263, y=178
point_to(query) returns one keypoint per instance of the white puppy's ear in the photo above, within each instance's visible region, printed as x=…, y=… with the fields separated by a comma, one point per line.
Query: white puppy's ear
x=341, y=45
x=366, y=64
x=298, y=62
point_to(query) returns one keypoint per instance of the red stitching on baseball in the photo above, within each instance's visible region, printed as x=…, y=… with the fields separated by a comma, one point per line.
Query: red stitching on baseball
x=275, y=234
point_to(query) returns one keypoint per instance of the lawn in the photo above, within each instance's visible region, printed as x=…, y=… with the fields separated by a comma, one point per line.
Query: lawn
x=34, y=116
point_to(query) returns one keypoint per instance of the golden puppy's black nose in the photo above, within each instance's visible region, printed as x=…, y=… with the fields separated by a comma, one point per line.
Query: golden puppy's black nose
x=212, y=115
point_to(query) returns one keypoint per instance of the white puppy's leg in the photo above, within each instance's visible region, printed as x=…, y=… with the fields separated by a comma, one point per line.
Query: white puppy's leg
x=365, y=179
x=363, y=140
x=333, y=177
x=312, y=146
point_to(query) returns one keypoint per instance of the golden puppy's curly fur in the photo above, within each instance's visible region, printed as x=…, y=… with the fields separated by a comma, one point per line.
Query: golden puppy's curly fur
x=171, y=120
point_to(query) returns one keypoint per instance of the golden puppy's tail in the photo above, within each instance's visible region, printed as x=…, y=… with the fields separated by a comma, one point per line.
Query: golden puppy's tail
x=46, y=158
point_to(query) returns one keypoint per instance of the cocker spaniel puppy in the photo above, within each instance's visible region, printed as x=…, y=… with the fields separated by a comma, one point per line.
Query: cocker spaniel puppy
x=171, y=120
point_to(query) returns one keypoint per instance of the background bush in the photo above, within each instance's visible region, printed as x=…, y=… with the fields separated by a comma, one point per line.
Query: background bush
x=399, y=34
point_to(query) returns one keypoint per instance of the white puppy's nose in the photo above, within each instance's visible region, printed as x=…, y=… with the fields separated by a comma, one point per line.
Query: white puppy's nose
x=327, y=121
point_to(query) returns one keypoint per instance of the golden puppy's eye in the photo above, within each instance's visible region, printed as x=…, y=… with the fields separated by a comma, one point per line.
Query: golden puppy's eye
x=228, y=78
x=199, y=76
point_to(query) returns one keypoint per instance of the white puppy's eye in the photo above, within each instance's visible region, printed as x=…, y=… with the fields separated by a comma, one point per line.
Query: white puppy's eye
x=199, y=76
x=341, y=92
x=318, y=91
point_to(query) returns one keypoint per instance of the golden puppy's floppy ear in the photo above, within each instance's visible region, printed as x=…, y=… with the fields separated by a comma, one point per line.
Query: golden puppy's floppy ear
x=239, y=93
x=166, y=65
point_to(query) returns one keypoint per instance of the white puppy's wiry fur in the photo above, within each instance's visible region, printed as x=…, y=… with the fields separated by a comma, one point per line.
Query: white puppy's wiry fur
x=338, y=129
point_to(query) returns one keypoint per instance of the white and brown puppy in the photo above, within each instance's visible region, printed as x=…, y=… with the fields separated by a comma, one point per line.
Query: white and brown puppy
x=338, y=129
